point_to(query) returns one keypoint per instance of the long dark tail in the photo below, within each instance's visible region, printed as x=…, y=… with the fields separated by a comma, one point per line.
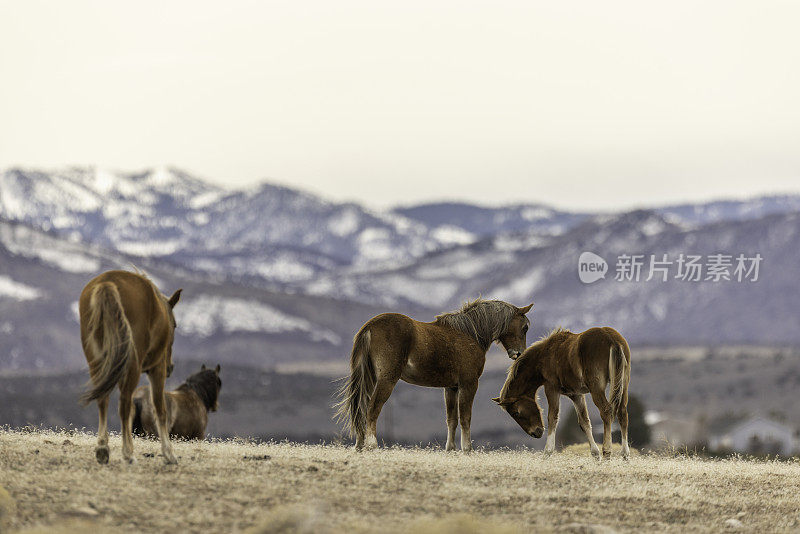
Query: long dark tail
x=110, y=331
x=616, y=373
x=351, y=409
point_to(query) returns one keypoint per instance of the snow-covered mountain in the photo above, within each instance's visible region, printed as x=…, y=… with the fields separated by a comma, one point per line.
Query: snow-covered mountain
x=484, y=221
x=520, y=268
x=42, y=275
x=269, y=233
x=275, y=274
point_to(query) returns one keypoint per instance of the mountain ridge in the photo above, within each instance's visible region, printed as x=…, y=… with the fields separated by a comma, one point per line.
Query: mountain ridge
x=271, y=255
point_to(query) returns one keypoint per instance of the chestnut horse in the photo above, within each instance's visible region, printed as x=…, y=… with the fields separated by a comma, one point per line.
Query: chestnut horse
x=127, y=327
x=187, y=406
x=448, y=353
x=572, y=365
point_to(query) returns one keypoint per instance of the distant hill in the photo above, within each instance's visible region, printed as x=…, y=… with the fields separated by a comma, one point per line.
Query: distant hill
x=274, y=274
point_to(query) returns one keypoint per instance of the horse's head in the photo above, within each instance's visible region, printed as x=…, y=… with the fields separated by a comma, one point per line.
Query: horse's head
x=171, y=302
x=526, y=412
x=513, y=339
x=211, y=383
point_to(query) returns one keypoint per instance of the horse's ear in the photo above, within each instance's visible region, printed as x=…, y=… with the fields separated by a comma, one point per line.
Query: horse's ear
x=526, y=309
x=217, y=369
x=203, y=367
x=173, y=300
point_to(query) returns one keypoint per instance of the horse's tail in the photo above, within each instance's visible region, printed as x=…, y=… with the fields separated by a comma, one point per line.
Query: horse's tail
x=110, y=331
x=616, y=373
x=351, y=409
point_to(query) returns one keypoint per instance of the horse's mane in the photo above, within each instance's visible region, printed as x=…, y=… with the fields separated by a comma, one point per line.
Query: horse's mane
x=141, y=272
x=483, y=320
x=527, y=355
x=204, y=383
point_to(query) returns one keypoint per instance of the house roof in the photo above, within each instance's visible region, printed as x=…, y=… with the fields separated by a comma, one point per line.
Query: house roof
x=738, y=425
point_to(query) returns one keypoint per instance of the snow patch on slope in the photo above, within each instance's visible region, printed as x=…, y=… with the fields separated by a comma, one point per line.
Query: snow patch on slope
x=521, y=288
x=453, y=235
x=345, y=223
x=17, y=290
x=207, y=315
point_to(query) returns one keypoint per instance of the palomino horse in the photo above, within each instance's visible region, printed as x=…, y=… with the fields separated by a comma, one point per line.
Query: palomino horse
x=127, y=327
x=572, y=365
x=187, y=406
x=448, y=353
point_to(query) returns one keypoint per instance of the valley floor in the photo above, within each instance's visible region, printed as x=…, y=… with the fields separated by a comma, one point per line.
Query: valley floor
x=50, y=480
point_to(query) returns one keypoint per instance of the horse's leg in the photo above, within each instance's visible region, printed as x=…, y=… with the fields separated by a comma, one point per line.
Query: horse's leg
x=606, y=414
x=451, y=406
x=157, y=376
x=622, y=417
x=583, y=420
x=383, y=388
x=127, y=386
x=466, y=393
x=101, y=452
x=553, y=407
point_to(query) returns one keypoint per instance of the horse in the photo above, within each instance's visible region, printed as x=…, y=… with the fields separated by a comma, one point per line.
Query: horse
x=127, y=327
x=187, y=406
x=449, y=353
x=571, y=364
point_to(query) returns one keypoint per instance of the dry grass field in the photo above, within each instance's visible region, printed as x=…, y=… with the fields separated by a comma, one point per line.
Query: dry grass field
x=51, y=482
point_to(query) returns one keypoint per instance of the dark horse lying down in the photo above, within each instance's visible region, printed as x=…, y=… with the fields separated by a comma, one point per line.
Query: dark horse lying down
x=187, y=406
x=572, y=365
x=448, y=353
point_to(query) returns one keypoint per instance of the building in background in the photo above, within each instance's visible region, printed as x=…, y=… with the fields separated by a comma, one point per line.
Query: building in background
x=756, y=435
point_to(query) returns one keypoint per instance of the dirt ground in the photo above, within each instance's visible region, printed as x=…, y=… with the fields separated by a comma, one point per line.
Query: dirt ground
x=50, y=481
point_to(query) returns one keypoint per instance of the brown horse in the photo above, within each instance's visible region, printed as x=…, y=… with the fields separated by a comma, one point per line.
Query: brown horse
x=448, y=353
x=187, y=406
x=127, y=327
x=572, y=365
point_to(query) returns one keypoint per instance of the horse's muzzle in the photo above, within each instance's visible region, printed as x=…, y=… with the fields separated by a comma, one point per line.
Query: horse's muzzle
x=537, y=433
x=513, y=354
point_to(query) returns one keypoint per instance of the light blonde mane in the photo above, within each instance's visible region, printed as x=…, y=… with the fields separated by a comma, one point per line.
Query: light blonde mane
x=483, y=320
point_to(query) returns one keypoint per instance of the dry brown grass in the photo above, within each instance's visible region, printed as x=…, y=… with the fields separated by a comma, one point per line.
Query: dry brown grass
x=52, y=480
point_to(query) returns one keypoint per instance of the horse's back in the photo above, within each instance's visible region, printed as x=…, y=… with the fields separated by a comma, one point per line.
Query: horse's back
x=395, y=329
x=595, y=344
x=600, y=337
x=136, y=294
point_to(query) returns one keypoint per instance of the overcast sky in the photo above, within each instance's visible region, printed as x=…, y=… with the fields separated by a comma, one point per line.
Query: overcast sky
x=582, y=104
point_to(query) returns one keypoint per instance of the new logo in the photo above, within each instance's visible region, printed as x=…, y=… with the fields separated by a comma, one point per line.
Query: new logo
x=591, y=267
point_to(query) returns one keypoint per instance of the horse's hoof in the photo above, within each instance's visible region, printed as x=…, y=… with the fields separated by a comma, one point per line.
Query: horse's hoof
x=606, y=455
x=130, y=460
x=467, y=450
x=548, y=454
x=170, y=460
x=101, y=453
x=596, y=454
